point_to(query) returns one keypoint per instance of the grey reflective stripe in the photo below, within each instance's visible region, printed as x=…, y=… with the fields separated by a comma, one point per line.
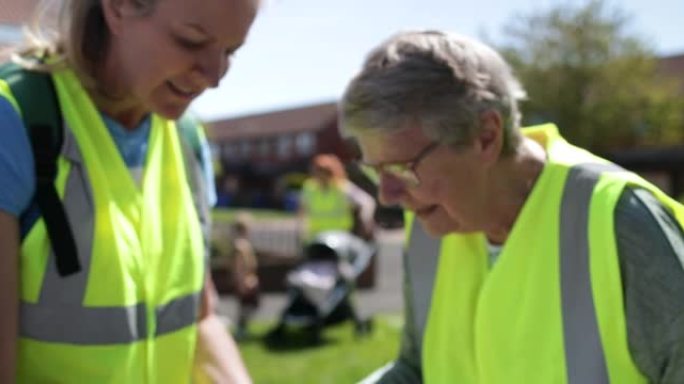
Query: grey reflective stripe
x=80, y=325
x=59, y=316
x=422, y=257
x=177, y=314
x=584, y=357
x=78, y=204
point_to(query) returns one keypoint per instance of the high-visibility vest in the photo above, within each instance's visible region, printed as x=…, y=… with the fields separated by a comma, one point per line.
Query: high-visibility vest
x=550, y=310
x=327, y=208
x=129, y=316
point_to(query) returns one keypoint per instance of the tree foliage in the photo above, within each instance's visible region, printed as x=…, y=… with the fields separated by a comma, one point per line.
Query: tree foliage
x=586, y=73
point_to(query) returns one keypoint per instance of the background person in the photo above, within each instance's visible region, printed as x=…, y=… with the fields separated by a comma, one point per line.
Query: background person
x=123, y=72
x=244, y=267
x=547, y=264
x=330, y=201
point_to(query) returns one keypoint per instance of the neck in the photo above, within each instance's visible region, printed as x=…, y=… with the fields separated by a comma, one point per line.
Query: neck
x=111, y=97
x=515, y=178
x=129, y=118
x=325, y=184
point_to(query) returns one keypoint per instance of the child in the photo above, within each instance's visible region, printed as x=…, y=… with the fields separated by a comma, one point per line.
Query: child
x=244, y=273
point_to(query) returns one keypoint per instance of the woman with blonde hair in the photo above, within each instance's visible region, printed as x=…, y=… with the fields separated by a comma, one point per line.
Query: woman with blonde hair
x=103, y=267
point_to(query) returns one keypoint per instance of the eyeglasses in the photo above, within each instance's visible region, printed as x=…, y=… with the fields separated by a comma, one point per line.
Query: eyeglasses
x=404, y=171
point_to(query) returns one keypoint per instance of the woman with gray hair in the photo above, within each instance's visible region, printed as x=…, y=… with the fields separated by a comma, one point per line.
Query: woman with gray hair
x=103, y=256
x=547, y=264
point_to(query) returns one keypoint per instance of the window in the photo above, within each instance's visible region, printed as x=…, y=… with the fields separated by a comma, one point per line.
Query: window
x=305, y=143
x=264, y=147
x=245, y=148
x=284, y=147
x=229, y=151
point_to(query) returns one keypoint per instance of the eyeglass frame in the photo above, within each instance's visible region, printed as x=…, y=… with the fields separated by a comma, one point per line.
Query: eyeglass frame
x=404, y=171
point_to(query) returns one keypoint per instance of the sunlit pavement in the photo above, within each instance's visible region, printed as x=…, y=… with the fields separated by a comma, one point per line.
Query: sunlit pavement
x=384, y=298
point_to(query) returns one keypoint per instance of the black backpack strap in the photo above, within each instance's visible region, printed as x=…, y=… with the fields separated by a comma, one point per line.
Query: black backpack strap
x=37, y=99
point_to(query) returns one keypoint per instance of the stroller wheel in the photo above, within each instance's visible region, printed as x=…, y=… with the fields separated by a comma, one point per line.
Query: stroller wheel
x=276, y=333
x=316, y=332
x=363, y=327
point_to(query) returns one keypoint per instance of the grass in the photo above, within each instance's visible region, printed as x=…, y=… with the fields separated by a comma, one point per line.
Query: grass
x=340, y=357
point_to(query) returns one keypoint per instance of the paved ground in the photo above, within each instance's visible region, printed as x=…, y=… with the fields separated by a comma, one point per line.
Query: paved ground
x=385, y=297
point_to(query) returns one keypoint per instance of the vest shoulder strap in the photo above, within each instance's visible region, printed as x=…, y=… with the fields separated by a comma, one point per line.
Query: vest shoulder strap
x=192, y=138
x=35, y=94
x=189, y=128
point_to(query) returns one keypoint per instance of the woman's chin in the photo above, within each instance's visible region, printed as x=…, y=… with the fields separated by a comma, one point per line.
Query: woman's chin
x=437, y=224
x=172, y=115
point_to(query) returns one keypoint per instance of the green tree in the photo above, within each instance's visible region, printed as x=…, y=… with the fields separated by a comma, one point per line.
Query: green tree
x=585, y=72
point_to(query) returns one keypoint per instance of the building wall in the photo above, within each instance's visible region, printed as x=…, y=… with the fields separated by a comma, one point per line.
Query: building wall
x=263, y=156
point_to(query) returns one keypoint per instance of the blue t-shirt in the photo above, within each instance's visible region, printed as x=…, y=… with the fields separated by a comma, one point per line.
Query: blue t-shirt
x=17, y=175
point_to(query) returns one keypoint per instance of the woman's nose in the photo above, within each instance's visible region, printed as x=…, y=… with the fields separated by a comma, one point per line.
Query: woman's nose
x=391, y=190
x=212, y=66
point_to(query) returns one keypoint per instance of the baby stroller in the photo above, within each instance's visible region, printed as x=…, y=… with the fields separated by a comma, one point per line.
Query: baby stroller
x=320, y=288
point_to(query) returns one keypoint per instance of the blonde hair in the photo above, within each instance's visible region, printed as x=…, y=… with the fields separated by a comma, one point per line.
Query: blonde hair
x=71, y=32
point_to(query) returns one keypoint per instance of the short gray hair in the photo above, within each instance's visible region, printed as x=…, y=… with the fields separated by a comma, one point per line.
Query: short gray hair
x=439, y=80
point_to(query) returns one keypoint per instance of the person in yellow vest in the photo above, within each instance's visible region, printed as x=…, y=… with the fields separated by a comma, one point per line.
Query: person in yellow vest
x=126, y=304
x=330, y=201
x=531, y=260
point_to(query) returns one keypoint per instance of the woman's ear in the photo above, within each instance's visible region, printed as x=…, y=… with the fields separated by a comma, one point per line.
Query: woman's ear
x=490, y=136
x=113, y=12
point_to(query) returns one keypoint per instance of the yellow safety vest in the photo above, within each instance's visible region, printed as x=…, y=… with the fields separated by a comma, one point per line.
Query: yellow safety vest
x=327, y=209
x=550, y=310
x=129, y=316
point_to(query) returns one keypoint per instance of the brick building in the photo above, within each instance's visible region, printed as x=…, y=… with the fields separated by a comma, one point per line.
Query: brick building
x=265, y=153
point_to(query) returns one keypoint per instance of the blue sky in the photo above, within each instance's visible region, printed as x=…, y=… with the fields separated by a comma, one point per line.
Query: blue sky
x=303, y=52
